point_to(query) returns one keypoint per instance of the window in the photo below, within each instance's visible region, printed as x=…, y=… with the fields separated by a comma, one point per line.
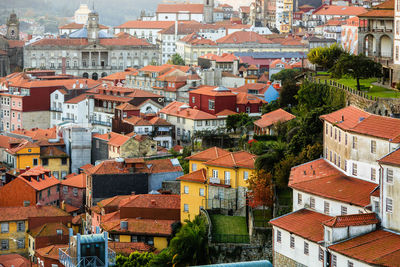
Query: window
x=227, y=176
x=199, y=123
x=389, y=175
x=193, y=99
x=373, y=146
x=305, y=248
x=389, y=205
x=345, y=139
x=335, y=133
x=35, y=162
x=278, y=236
x=291, y=241
x=245, y=175
x=201, y=192
x=299, y=198
x=4, y=227
x=334, y=261
x=211, y=104
x=20, y=243
x=350, y=264
x=326, y=207
x=343, y=210
x=65, y=189
x=186, y=189
x=21, y=226
x=64, y=161
x=331, y=131
x=59, y=231
x=4, y=244
x=321, y=254
x=194, y=167
x=75, y=191
x=373, y=174
x=48, y=192
x=354, y=169
x=340, y=136
x=312, y=203
x=345, y=165
x=354, y=142
x=186, y=207
x=40, y=195
x=215, y=173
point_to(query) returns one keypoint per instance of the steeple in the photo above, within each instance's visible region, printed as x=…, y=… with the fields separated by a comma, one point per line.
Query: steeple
x=208, y=11
x=13, y=27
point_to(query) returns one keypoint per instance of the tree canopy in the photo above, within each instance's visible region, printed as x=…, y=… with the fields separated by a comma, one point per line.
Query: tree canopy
x=325, y=57
x=176, y=59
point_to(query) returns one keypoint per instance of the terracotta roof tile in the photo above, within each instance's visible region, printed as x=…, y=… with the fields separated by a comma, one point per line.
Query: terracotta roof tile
x=78, y=181
x=320, y=178
x=199, y=176
x=226, y=112
x=386, y=9
x=212, y=91
x=379, y=126
x=127, y=107
x=128, y=247
x=352, y=220
x=14, y=260
x=260, y=87
x=107, y=167
x=154, y=201
x=340, y=10
x=38, y=134
x=241, y=37
x=174, y=109
x=48, y=229
x=140, y=24
x=163, y=165
x=22, y=145
x=141, y=227
x=379, y=248
x=176, y=8
x=50, y=252
x=52, y=152
x=195, y=39
x=225, y=57
x=392, y=158
x=8, y=142
x=112, y=201
x=273, y=117
x=242, y=159
x=118, y=140
x=208, y=154
x=304, y=223
x=346, y=118
x=243, y=98
x=23, y=213
x=137, y=121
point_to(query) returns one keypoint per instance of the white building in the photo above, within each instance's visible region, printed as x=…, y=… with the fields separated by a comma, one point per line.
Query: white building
x=180, y=12
x=81, y=14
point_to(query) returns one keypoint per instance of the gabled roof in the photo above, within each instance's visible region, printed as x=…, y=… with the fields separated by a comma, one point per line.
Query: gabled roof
x=180, y=109
x=260, y=87
x=118, y=140
x=137, y=121
x=127, y=107
x=304, y=223
x=208, y=154
x=346, y=118
x=242, y=159
x=37, y=133
x=113, y=201
x=378, y=248
x=340, y=10
x=163, y=165
x=48, y=229
x=392, y=158
x=14, y=260
x=140, y=24
x=22, y=145
x=128, y=247
x=140, y=227
x=199, y=176
x=50, y=252
x=78, y=181
x=241, y=37
x=352, y=220
x=320, y=178
x=243, y=98
x=176, y=8
x=273, y=117
x=213, y=91
x=6, y=141
x=23, y=213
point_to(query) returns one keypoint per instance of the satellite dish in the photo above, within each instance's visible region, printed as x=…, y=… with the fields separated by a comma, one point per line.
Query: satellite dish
x=74, y=86
x=81, y=85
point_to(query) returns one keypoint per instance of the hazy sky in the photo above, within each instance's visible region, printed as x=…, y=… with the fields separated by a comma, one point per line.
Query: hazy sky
x=237, y=3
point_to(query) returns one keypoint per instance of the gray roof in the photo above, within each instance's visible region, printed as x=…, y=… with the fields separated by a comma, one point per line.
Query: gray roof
x=83, y=33
x=261, y=55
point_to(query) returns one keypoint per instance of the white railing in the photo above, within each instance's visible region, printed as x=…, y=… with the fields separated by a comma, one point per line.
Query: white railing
x=215, y=180
x=89, y=261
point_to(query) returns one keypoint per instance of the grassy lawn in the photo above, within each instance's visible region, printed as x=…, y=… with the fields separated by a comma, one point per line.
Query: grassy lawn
x=229, y=229
x=365, y=85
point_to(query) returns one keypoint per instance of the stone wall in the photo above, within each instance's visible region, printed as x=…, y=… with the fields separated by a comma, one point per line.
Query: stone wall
x=173, y=186
x=283, y=261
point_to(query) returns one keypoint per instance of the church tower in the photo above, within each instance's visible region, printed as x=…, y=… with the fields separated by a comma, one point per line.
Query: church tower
x=208, y=11
x=93, y=27
x=13, y=27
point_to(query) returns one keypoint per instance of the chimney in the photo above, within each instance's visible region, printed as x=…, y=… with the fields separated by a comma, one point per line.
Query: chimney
x=62, y=205
x=133, y=193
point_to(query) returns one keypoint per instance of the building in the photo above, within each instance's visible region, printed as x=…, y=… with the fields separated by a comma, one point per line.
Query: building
x=216, y=180
x=144, y=218
x=327, y=12
x=396, y=60
x=15, y=260
x=147, y=30
x=281, y=64
x=69, y=28
x=15, y=222
x=268, y=121
x=73, y=190
x=81, y=15
x=225, y=62
x=89, y=52
x=34, y=186
x=25, y=155
x=180, y=12
x=48, y=256
x=349, y=38
x=377, y=36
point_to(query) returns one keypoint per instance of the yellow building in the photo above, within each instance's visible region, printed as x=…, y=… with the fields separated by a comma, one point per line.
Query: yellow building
x=26, y=154
x=14, y=225
x=55, y=160
x=217, y=179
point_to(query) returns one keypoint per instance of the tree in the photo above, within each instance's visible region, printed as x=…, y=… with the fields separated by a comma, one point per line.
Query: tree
x=285, y=75
x=261, y=189
x=288, y=93
x=358, y=67
x=176, y=59
x=239, y=121
x=135, y=259
x=325, y=57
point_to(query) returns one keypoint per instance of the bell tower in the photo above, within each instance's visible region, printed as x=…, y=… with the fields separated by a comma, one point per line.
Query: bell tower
x=208, y=11
x=93, y=27
x=13, y=27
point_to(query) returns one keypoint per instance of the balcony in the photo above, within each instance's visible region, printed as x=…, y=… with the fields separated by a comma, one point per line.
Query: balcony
x=103, y=123
x=215, y=180
x=91, y=261
x=55, y=109
x=104, y=110
x=369, y=30
x=68, y=119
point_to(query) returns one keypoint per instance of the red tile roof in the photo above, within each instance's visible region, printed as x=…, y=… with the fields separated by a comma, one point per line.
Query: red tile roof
x=176, y=8
x=379, y=248
x=346, y=118
x=273, y=117
x=113, y=201
x=107, y=167
x=140, y=227
x=77, y=99
x=180, y=109
x=50, y=252
x=304, y=223
x=225, y=57
x=320, y=178
x=118, y=140
x=195, y=39
x=226, y=112
x=23, y=213
x=386, y=9
x=48, y=229
x=208, y=154
x=392, y=158
x=137, y=121
x=162, y=165
x=127, y=107
x=242, y=159
x=340, y=10
x=52, y=152
x=140, y=24
x=243, y=98
x=22, y=145
x=260, y=87
x=7, y=142
x=352, y=220
x=78, y=181
x=154, y=201
x=241, y=37
x=38, y=134
x=14, y=260
x=128, y=247
x=212, y=91
x=199, y=176
x=379, y=126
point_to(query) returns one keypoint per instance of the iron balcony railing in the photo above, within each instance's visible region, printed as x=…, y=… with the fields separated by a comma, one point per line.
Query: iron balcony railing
x=90, y=261
x=104, y=123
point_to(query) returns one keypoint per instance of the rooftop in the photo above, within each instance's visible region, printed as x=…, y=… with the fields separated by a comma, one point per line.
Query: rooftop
x=78, y=180
x=199, y=176
x=273, y=117
x=242, y=159
x=140, y=227
x=352, y=220
x=208, y=154
x=153, y=201
x=180, y=109
x=23, y=213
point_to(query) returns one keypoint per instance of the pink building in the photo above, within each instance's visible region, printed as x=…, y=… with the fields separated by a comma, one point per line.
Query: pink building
x=16, y=112
x=73, y=190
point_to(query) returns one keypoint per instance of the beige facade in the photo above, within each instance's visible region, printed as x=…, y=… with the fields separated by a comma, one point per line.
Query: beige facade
x=133, y=148
x=36, y=119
